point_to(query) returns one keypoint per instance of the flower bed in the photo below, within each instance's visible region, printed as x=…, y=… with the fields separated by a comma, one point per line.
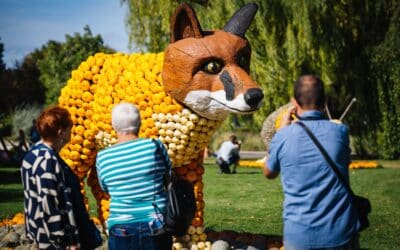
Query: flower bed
x=364, y=164
x=353, y=165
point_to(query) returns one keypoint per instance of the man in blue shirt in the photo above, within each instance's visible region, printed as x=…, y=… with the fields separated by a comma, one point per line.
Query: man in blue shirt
x=317, y=212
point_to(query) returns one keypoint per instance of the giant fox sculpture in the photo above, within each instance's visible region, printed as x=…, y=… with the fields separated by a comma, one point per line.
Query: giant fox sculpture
x=183, y=95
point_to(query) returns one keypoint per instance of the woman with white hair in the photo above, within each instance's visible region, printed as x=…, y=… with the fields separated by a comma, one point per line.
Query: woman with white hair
x=132, y=172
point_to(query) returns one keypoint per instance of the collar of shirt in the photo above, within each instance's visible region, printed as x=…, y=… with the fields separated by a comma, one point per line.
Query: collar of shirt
x=312, y=115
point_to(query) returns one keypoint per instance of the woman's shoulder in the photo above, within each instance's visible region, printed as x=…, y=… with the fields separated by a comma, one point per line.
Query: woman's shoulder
x=42, y=150
x=41, y=155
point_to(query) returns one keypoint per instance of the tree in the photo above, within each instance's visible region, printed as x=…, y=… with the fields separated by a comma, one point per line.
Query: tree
x=386, y=68
x=28, y=85
x=5, y=85
x=282, y=39
x=20, y=89
x=60, y=58
x=2, y=64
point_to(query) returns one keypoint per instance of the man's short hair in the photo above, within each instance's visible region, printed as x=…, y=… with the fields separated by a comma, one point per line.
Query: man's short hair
x=309, y=91
x=233, y=138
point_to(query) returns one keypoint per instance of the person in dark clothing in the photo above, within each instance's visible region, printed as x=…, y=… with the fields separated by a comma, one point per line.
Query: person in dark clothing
x=33, y=133
x=55, y=214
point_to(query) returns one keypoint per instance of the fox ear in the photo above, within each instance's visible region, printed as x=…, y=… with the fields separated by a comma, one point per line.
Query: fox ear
x=241, y=20
x=184, y=24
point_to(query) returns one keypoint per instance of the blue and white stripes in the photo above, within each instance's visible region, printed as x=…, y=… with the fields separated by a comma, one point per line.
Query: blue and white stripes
x=133, y=174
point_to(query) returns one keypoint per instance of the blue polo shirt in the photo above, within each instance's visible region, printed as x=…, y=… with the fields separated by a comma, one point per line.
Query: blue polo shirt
x=317, y=211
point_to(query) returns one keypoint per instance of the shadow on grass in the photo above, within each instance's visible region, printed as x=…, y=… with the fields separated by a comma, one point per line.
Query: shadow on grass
x=241, y=239
x=10, y=177
x=242, y=172
x=249, y=172
x=11, y=195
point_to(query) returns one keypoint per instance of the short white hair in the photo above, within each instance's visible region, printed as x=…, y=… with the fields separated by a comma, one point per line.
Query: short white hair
x=125, y=118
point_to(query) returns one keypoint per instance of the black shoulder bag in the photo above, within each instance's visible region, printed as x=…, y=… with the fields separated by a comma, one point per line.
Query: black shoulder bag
x=362, y=204
x=181, y=207
x=89, y=234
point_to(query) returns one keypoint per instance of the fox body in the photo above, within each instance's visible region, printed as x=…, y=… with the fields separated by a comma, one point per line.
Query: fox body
x=183, y=95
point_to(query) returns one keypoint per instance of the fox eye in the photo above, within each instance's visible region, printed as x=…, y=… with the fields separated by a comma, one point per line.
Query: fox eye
x=212, y=67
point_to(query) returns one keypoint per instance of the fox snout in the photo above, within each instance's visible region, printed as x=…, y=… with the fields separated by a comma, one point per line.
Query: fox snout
x=228, y=93
x=253, y=97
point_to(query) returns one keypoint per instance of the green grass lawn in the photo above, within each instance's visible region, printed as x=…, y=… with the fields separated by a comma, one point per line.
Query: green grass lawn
x=11, y=193
x=247, y=202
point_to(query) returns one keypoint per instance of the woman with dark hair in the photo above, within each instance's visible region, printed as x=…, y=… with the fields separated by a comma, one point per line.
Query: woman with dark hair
x=54, y=208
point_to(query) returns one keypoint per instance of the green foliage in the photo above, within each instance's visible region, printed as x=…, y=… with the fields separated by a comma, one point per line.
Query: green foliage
x=5, y=125
x=26, y=88
x=59, y=59
x=42, y=74
x=24, y=84
x=28, y=85
x=146, y=21
x=386, y=65
x=22, y=117
x=5, y=85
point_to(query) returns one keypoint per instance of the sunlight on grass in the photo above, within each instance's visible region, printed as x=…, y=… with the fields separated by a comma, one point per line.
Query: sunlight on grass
x=247, y=202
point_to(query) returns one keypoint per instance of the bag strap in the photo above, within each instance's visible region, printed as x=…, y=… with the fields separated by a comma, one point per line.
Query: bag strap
x=168, y=174
x=158, y=150
x=326, y=156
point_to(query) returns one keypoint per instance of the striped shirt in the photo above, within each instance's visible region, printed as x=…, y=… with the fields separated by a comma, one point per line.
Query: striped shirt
x=132, y=173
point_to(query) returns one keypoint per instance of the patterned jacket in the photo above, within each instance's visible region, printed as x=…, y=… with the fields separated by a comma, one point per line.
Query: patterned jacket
x=49, y=218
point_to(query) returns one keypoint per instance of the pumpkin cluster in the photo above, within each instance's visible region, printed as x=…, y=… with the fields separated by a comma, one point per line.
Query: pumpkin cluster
x=353, y=165
x=18, y=218
x=194, y=239
x=104, y=80
x=185, y=134
x=98, y=83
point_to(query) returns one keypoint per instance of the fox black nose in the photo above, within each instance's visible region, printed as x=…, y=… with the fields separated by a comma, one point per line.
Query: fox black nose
x=253, y=97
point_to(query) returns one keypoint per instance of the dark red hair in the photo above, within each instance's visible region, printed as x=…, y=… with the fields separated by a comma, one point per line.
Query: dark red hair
x=51, y=120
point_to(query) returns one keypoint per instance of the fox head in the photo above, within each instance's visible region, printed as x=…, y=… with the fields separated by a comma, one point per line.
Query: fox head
x=208, y=71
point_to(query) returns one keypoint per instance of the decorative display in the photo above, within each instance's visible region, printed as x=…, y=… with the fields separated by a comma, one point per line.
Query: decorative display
x=353, y=165
x=183, y=96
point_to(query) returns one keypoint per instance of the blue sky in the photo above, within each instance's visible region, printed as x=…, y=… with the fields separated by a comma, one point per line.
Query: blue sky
x=26, y=25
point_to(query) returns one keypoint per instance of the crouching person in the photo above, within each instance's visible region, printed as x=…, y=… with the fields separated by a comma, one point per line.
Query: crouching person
x=228, y=155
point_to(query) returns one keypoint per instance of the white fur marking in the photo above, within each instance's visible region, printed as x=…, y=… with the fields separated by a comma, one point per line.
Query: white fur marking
x=213, y=105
